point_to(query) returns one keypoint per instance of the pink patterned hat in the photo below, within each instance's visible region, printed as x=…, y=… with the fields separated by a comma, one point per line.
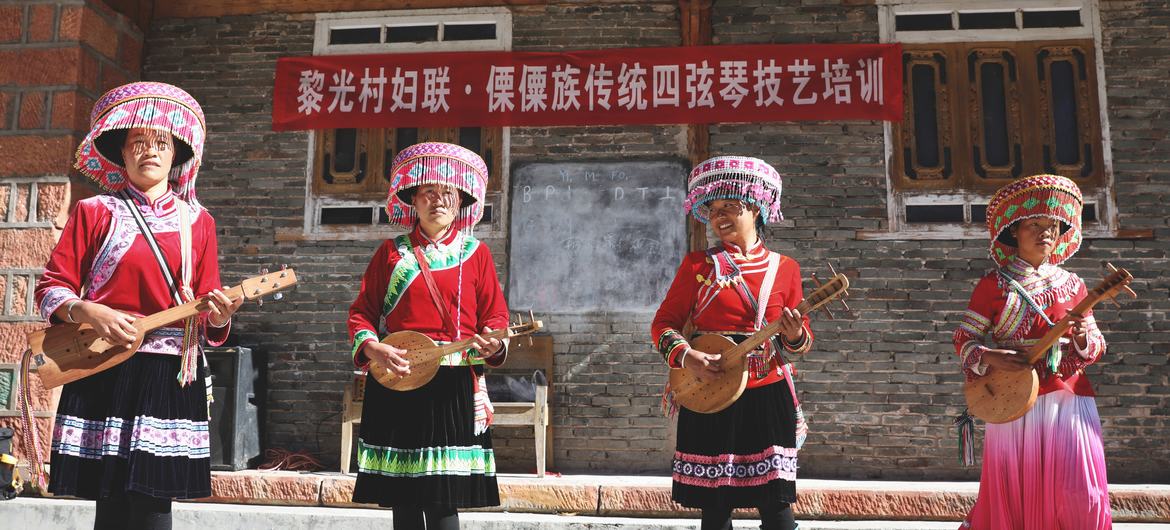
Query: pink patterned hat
x=744, y=178
x=1049, y=196
x=147, y=105
x=437, y=163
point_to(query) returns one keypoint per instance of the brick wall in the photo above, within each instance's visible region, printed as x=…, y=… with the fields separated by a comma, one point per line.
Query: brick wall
x=56, y=59
x=880, y=390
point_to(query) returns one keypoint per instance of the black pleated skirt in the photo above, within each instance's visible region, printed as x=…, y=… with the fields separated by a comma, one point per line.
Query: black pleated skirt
x=741, y=457
x=133, y=428
x=419, y=448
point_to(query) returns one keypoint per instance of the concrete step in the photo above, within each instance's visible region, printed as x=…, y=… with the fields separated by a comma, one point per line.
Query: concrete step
x=649, y=496
x=68, y=514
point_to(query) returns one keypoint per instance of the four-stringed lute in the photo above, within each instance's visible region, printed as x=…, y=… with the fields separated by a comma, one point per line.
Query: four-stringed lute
x=64, y=353
x=718, y=394
x=424, y=355
x=1000, y=396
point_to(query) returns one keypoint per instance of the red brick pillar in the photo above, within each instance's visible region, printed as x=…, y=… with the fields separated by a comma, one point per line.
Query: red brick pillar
x=56, y=59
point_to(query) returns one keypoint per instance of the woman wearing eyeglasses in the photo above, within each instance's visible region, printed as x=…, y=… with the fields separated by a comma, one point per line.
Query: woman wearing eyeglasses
x=743, y=456
x=428, y=452
x=1046, y=469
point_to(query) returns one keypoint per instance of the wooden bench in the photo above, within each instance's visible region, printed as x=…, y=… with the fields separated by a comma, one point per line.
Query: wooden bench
x=525, y=355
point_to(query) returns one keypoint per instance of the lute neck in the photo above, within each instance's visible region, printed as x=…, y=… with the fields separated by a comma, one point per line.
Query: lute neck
x=756, y=339
x=1040, y=349
x=448, y=349
x=152, y=322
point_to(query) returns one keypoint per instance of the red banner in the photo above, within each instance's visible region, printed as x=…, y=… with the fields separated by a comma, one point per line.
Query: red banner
x=698, y=84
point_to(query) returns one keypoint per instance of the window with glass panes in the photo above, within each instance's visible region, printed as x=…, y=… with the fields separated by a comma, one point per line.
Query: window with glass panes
x=991, y=95
x=350, y=168
x=354, y=165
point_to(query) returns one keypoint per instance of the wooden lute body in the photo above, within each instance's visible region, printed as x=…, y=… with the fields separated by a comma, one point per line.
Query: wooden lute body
x=1001, y=396
x=720, y=393
x=425, y=355
x=64, y=353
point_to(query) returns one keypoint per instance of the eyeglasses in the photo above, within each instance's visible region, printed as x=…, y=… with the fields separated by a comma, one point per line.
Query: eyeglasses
x=731, y=209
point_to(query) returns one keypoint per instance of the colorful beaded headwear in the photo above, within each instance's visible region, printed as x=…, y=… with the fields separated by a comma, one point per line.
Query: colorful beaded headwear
x=748, y=179
x=437, y=163
x=1048, y=196
x=146, y=105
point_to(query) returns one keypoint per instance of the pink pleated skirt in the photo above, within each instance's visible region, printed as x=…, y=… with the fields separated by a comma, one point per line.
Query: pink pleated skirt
x=1044, y=471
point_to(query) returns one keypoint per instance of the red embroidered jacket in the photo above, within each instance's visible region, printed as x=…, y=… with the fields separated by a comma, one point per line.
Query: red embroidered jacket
x=394, y=296
x=697, y=293
x=102, y=249
x=998, y=317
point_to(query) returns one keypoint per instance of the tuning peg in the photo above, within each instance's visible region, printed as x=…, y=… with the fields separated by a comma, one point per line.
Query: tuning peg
x=816, y=281
x=277, y=297
x=283, y=270
x=531, y=317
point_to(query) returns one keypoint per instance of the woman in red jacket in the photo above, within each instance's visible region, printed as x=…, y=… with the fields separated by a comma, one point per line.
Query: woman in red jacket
x=428, y=452
x=136, y=436
x=745, y=455
x=1047, y=469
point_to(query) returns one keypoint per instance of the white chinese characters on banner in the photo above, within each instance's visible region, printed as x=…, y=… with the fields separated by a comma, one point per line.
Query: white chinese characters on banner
x=565, y=89
x=597, y=86
x=666, y=86
x=373, y=88
x=310, y=91
x=632, y=87
x=800, y=72
x=870, y=78
x=767, y=85
x=535, y=81
x=733, y=76
x=342, y=88
x=699, y=84
x=837, y=82
x=500, y=86
x=435, y=89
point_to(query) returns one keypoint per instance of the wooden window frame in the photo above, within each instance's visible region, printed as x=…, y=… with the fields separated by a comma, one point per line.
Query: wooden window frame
x=1098, y=189
x=378, y=146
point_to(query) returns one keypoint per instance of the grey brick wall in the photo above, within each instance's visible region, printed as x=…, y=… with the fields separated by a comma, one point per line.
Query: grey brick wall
x=880, y=390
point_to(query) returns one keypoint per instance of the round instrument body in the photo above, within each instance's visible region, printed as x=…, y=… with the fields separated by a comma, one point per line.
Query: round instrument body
x=714, y=396
x=1001, y=396
x=419, y=352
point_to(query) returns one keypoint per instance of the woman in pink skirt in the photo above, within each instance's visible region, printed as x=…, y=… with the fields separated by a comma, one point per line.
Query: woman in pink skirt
x=1045, y=470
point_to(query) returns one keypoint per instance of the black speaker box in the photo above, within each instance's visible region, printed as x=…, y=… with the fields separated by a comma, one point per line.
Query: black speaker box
x=235, y=416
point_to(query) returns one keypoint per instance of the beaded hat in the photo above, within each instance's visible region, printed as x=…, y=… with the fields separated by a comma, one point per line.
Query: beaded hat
x=744, y=178
x=148, y=105
x=1050, y=196
x=437, y=163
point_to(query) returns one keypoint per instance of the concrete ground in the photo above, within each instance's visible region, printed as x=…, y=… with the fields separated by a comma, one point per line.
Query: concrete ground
x=68, y=514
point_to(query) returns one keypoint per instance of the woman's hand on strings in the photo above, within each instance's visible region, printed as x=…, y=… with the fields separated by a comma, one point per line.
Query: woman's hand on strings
x=1009, y=360
x=221, y=308
x=112, y=325
x=486, y=347
x=791, y=325
x=704, y=366
x=387, y=356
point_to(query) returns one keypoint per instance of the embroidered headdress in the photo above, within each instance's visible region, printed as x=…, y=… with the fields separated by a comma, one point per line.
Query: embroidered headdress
x=437, y=163
x=148, y=105
x=1050, y=196
x=748, y=179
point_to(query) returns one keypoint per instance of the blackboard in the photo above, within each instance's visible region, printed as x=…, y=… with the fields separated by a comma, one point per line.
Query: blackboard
x=595, y=236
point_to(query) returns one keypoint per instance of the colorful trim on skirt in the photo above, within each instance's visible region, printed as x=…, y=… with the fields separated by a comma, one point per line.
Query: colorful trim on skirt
x=741, y=457
x=132, y=428
x=419, y=448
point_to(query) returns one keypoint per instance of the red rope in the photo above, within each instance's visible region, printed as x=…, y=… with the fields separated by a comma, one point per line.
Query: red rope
x=285, y=460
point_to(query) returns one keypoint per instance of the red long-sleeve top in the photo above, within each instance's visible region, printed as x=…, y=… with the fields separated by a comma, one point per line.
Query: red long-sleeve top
x=103, y=253
x=395, y=297
x=696, y=293
x=998, y=317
